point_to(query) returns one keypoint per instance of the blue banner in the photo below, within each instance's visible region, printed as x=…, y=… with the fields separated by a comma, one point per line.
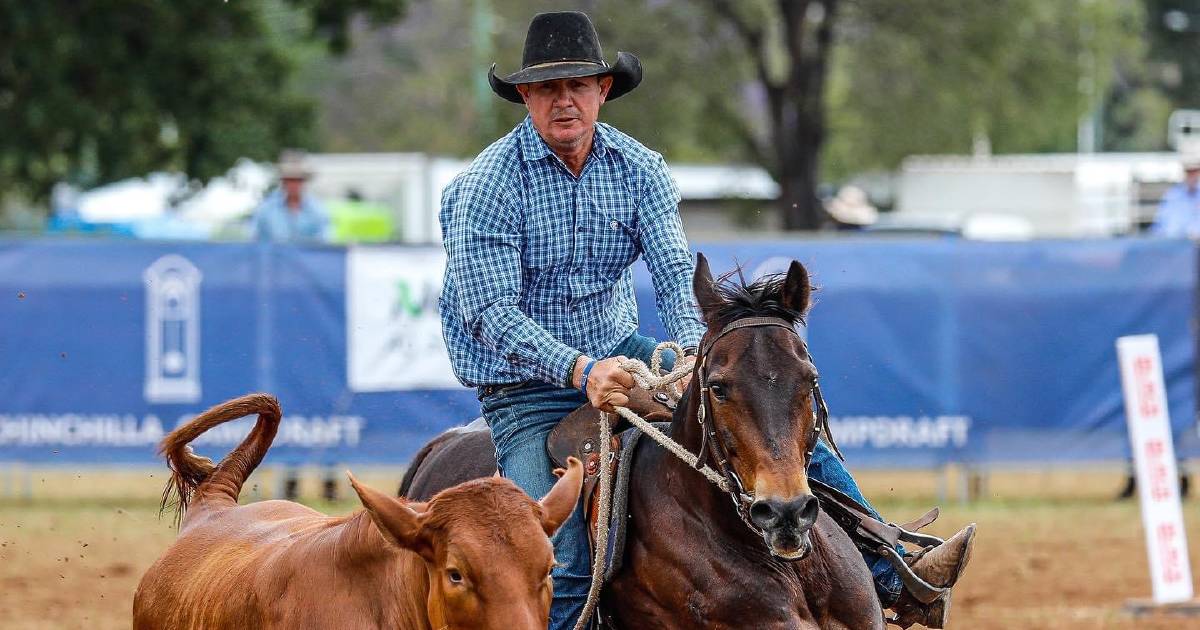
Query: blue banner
x=930, y=350
x=949, y=350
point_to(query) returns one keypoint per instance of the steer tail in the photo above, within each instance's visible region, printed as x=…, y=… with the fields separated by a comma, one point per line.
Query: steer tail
x=192, y=473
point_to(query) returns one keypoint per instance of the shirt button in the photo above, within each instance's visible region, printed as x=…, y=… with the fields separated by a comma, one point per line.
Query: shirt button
x=613, y=225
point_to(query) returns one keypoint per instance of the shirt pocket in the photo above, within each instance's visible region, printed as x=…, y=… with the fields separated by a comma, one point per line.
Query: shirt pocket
x=612, y=243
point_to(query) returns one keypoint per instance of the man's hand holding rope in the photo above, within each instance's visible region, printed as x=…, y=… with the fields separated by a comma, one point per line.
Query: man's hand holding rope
x=605, y=382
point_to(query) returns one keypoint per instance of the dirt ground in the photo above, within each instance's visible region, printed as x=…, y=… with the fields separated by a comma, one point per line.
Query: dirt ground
x=1054, y=550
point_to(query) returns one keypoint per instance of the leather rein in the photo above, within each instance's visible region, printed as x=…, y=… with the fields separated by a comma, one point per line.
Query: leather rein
x=710, y=441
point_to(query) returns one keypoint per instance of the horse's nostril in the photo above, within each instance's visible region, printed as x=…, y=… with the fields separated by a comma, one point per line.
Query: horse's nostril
x=763, y=514
x=808, y=510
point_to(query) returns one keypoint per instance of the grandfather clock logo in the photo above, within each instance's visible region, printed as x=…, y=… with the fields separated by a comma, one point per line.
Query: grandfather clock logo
x=172, y=330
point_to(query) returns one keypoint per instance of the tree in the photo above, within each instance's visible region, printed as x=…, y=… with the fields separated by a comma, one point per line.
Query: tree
x=934, y=76
x=789, y=44
x=1173, y=44
x=97, y=90
x=940, y=76
x=812, y=90
x=1163, y=76
x=420, y=85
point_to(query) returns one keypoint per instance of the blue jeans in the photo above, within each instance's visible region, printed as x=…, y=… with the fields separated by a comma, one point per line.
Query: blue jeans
x=520, y=417
x=826, y=467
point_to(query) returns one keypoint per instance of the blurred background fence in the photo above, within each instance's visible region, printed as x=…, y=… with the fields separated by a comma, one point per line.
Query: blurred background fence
x=932, y=351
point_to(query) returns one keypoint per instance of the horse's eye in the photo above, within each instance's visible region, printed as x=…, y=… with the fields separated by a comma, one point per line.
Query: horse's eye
x=455, y=576
x=717, y=390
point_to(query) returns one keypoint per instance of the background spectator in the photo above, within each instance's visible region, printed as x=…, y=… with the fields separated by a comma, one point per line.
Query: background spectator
x=288, y=213
x=1179, y=211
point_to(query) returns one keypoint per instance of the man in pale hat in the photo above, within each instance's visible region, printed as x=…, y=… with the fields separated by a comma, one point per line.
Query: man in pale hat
x=538, y=305
x=1179, y=210
x=289, y=213
x=852, y=209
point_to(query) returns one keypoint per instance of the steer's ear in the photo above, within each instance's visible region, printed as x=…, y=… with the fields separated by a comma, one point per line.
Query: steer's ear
x=558, y=504
x=400, y=522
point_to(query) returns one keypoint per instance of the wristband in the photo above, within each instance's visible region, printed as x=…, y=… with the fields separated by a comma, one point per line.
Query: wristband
x=587, y=369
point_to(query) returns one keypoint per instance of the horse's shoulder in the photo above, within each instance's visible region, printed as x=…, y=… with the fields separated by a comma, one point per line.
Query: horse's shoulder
x=844, y=579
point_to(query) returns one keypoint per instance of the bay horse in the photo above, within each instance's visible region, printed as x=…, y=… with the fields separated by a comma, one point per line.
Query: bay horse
x=693, y=559
x=476, y=555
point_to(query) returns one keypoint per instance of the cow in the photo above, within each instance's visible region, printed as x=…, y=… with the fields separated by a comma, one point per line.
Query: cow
x=476, y=555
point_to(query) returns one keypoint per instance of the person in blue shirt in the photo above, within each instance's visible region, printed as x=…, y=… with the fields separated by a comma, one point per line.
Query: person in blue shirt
x=288, y=213
x=1179, y=211
x=537, y=305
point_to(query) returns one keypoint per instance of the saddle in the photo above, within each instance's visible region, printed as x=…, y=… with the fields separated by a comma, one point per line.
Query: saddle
x=578, y=435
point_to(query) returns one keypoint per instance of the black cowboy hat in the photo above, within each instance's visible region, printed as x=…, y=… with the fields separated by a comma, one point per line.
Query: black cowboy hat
x=563, y=45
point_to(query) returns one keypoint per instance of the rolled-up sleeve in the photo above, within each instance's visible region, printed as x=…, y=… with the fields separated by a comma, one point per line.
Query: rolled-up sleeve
x=664, y=245
x=483, y=248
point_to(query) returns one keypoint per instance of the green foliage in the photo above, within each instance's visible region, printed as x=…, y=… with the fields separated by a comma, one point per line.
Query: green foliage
x=421, y=85
x=1175, y=53
x=920, y=76
x=97, y=90
x=1150, y=86
x=932, y=76
x=331, y=18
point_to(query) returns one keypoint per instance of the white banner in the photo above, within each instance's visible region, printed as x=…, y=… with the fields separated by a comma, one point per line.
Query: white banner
x=1154, y=457
x=394, y=332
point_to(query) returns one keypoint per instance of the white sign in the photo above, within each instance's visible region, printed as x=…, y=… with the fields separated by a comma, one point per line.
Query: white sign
x=172, y=331
x=394, y=331
x=1154, y=457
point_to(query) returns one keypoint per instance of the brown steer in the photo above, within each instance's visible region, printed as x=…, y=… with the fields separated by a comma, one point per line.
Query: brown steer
x=475, y=556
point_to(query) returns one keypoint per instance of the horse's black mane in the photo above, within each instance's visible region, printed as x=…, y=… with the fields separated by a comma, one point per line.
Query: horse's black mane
x=761, y=298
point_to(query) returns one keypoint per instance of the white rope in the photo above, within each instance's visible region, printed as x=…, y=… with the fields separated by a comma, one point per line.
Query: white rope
x=649, y=378
x=671, y=445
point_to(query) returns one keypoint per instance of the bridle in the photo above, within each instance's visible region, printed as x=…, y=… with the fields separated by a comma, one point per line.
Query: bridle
x=711, y=441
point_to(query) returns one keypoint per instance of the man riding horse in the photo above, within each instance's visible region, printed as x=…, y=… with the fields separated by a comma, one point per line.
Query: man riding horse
x=538, y=306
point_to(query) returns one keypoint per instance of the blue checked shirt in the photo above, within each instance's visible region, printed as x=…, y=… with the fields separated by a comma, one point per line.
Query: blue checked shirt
x=538, y=261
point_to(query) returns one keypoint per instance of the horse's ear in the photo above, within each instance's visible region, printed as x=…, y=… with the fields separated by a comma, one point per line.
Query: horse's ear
x=400, y=522
x=797, y=289
x=703, y=288
x=558, y=504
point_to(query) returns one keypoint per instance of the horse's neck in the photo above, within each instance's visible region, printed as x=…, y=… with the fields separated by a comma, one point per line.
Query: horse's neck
x=689, y=488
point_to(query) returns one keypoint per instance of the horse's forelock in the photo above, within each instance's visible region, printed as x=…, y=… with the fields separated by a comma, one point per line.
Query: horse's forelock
x=741, y=299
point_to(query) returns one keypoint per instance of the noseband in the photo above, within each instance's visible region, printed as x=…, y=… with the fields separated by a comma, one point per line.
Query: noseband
x=710, y=441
